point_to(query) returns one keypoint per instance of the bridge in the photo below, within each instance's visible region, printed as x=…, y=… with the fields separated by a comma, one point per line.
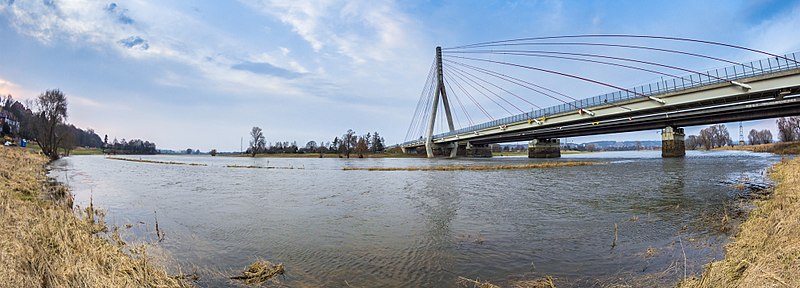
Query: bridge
x=751, y=90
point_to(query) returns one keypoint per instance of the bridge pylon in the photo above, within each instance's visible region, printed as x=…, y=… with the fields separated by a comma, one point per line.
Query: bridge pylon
x=441, y=92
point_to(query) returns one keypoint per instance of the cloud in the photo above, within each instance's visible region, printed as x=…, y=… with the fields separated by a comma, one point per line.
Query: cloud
x=135, y=42
x=362, y=31
x=773, y=34
x=266, y=69
x=121, y=14
x=81, y=101
x=10, y=88
x=160, y=35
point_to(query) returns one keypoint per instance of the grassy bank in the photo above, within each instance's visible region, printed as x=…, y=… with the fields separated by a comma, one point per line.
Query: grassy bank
x=777, y=148
x=45, y=243
x=766, y=251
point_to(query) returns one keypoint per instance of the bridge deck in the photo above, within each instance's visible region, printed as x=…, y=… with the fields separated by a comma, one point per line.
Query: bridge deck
x=695, y=91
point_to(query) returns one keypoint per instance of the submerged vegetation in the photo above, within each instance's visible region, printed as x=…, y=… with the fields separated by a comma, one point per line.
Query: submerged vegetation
x=477, y=167
x=766, y=251
x=43, y=243
x=261, y=167
x=156, y=162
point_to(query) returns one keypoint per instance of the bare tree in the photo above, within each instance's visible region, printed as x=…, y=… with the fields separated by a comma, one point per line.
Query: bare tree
x=257, y=141
x=759, y=137
x=348, y=142
x=68, y=139
x=362, y=146
x=51, y=111
x=714, y=136
x=692, y=142
x=788, y=128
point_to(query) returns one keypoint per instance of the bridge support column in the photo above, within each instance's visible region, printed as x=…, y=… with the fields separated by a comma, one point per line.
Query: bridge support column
x=544, y=148
x=478, y=151
x=672, y=142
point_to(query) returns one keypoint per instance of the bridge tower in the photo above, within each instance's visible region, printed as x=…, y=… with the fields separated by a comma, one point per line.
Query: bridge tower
x=440, y=93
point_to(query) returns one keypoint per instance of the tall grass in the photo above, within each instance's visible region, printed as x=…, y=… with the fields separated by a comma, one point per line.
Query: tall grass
x=45, y=243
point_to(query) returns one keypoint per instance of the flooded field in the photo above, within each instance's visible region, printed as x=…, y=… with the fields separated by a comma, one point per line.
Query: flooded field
x=360, y=228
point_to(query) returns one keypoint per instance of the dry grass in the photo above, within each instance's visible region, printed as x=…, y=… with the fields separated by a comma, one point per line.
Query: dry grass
x=477, y=167
x=259, y=272
x=43, y=243
x=466, y=282
x=155, y=162
x=766, y=250
x=777, y=148
x=261, y=167
x=543, y=282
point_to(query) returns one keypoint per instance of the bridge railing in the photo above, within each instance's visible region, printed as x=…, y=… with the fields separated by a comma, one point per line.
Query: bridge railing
x=720, y=75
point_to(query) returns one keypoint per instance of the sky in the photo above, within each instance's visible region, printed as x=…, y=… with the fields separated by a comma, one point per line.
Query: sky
x=200, y=74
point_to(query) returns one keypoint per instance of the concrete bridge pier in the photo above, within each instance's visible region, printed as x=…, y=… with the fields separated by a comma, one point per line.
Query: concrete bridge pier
x=672, y=144
x=478, y=151
x=544, y=148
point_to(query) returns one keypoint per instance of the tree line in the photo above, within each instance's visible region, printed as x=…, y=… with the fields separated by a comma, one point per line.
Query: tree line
x=718, y=136
x=43, y=121
x=349, y=143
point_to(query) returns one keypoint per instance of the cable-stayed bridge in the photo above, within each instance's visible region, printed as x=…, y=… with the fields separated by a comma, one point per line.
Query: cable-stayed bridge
x=466, y=83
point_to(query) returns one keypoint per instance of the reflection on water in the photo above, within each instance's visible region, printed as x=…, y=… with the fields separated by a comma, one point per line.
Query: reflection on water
x=423, y=228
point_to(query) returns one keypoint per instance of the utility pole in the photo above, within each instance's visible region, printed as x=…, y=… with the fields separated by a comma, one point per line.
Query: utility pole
x=741, y=134
x=440, y=92
x=241, y=140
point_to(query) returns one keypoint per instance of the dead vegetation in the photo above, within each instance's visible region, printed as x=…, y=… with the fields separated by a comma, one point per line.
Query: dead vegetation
x=261, y=167
x=766, y=250
x=541, y=282
x=478, y=167
x=783, y=148
x=44, y=243
x=466, y=282
x=259, y=272
x=155, y=162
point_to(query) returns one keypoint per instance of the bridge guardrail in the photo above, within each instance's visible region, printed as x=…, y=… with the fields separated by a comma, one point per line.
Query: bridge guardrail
x=719, y=75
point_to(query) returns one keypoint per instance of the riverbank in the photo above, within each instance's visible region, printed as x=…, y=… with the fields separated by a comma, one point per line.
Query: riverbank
x=43, y=243
x=766, y=251
x=781, y=148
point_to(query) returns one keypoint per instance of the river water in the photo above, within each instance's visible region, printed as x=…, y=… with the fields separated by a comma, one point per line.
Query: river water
x=339, y=228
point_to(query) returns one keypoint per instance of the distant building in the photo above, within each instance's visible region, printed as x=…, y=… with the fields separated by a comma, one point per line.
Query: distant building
x=8, y=119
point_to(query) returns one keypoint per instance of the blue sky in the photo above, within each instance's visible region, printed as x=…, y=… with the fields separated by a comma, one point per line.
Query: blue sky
x=200, y=74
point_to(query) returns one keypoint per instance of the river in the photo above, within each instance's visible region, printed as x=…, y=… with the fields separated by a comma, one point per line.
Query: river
x=337, y=228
